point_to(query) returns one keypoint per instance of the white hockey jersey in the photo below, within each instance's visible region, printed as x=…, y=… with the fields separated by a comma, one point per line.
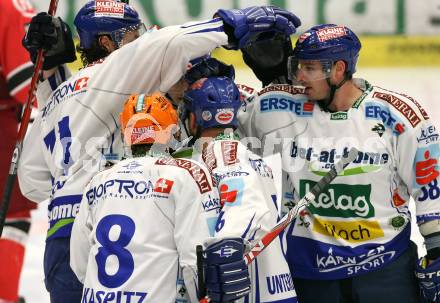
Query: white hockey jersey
x=77, y=130
x=362, y=221
x=249, y=210
x=138, y=222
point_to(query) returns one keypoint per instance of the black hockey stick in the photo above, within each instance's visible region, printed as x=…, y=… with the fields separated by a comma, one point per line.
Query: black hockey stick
x=296, y=210
x=200, y=273
x=9, y=185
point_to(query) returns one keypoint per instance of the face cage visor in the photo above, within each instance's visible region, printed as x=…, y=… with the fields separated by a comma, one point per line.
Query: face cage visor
x=310, y=70
x=128, y=34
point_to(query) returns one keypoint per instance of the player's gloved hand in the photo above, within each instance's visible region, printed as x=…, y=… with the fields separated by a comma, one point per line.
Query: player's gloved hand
x=429, y=279
x=52, y=35
x=243, y=26
x=207, y=68
x=226, y=273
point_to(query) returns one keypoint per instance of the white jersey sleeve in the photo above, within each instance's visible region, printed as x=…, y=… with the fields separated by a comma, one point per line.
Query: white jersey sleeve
x=157, y=60
x=33, y=174
x=418, y=152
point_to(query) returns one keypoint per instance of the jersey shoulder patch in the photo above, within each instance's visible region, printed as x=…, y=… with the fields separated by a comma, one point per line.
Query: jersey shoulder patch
x=407, y=106
x=195, y=170
x=286, y=88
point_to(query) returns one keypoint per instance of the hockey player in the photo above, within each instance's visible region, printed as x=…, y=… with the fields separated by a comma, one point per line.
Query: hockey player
x=142, y=218
x=244, y=180
x=15, y=74
x=355, y=235
x=77, y=129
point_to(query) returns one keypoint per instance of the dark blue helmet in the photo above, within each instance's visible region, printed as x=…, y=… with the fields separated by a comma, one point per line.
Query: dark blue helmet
x=105, y=17
x=207, y=66
x=329, y=42
x=215, y=102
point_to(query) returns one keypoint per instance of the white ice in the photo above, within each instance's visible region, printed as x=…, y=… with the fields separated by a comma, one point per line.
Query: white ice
x=423, y=84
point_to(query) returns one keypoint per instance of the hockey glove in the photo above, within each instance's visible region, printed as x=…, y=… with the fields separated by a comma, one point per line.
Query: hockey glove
x=226, y=273
x=207, y=68
x=244, y=26
x=52, y=35
x=429, y=279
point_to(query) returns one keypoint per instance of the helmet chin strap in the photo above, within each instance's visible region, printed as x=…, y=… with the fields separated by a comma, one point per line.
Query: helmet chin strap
x=326, y=102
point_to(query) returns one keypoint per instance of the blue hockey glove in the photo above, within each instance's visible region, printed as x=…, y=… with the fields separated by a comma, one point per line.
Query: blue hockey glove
x=429, y=279
x=52, y=35
x=243, y=26
x=207, y=68
x=226, y=273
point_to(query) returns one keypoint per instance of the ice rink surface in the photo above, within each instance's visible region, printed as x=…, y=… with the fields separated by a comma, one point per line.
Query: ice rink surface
x=423, y=84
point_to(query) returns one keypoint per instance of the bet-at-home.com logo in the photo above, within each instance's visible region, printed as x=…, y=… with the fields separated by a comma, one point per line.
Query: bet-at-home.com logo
x=340, y=200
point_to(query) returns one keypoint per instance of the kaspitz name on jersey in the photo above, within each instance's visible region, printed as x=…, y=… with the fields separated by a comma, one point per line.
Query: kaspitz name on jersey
x=91, y=295
x=67, y=89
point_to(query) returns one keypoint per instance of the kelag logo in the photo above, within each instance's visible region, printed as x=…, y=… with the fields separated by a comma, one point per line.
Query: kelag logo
x=340, y=200
x=301, y=108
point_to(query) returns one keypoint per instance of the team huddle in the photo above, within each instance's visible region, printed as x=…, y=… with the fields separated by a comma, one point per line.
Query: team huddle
x=151, y=150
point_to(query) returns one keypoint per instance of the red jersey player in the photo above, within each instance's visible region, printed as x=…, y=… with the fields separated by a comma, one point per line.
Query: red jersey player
x=15, y=75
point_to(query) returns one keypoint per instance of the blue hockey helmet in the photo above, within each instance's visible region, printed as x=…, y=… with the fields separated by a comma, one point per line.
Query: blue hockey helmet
x=214, y=101
x=327, y=42
x=106, y=17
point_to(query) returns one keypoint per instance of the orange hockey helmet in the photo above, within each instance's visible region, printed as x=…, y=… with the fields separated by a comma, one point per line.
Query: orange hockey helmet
x=148, y=119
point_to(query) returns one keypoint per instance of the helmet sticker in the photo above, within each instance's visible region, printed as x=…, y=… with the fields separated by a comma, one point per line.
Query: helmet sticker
x=304, y=37
x=225, y=115
x=206, y=115
x=109, y=8
x=329, y=33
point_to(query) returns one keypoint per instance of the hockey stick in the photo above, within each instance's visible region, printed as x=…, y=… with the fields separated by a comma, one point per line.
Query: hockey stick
x=200, y=273
x=9, y=185
x=296, y=210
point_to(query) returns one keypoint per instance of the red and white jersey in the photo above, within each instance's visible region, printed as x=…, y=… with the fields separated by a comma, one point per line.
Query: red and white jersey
x=138, y=222
x=249, y=210
x=15, y=66
x=361, y=222
x=15, y=76
x=77, y=130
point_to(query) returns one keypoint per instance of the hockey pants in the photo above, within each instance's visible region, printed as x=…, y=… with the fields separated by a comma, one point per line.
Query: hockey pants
x=61, y=282
x=394, y=283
